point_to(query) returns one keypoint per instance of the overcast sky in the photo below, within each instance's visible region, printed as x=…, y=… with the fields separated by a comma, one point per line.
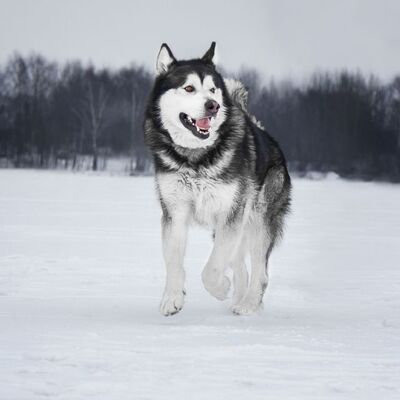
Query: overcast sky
x=279, y=38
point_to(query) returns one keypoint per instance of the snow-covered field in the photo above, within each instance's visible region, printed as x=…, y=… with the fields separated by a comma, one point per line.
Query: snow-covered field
x=81, y=276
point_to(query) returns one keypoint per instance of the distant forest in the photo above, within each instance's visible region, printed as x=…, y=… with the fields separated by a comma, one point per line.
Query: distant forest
x=54, y=116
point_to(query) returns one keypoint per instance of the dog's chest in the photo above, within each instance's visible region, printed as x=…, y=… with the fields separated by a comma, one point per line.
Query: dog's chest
x=208, y=200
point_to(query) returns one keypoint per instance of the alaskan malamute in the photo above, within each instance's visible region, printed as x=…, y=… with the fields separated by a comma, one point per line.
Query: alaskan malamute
x=215, y=165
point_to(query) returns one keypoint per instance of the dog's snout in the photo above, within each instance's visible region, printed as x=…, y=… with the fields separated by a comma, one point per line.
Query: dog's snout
x=212, y=107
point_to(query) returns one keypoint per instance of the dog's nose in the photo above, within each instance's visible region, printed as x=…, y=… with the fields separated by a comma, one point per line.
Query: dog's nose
x=212, y=107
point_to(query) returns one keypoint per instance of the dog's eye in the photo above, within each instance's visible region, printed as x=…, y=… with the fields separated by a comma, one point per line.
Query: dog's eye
x=212, y=90
x=189, y=88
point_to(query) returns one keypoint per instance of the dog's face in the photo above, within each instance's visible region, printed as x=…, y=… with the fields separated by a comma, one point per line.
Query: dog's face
x=191, y=98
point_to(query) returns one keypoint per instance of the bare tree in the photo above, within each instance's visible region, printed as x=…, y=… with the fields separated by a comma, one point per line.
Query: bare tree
x=394, y=107
x=134, y=83
x=17, y=86
x=42, y=79
x=96, y=99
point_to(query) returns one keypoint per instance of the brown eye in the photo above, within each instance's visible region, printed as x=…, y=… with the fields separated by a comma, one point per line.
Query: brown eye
x=212, y=90
x=189, y=88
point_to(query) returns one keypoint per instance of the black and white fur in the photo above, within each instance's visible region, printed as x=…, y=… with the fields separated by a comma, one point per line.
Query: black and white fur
x=231, y=177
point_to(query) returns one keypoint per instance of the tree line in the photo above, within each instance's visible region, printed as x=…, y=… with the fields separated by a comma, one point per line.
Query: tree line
x=53, y=115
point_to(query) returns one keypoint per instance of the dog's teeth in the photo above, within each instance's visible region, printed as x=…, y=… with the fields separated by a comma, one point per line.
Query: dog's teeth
x=190, y=120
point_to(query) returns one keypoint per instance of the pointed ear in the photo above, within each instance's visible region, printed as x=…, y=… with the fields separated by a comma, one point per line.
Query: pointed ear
x=164, y=59
x=210, y=54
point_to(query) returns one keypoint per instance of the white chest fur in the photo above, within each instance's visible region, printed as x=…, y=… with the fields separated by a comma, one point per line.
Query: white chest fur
x=207, y=200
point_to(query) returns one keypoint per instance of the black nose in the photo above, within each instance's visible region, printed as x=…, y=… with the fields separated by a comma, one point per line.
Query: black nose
x=212, y=107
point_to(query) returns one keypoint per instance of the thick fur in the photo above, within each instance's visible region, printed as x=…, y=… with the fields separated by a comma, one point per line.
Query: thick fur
x=235, y=181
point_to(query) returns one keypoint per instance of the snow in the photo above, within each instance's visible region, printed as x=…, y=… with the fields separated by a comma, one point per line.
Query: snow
x=81, y=277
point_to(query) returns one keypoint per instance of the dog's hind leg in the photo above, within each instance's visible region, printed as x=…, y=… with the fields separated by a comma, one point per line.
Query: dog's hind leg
x=226, y=242
x=260, y=248
x=174, y=234
x=240, y=275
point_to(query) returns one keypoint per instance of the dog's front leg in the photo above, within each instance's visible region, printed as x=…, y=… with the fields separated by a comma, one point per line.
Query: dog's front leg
x=260, y=246
x=226, y=243
x=174, y=233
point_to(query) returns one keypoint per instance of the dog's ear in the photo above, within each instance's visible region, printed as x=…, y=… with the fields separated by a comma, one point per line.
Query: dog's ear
x=210, y=55
x=165, y=59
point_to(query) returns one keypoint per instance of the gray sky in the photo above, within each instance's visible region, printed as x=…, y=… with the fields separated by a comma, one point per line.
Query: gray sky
x=280, y=38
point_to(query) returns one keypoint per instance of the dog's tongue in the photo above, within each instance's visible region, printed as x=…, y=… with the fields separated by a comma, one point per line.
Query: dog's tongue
x=203, y=123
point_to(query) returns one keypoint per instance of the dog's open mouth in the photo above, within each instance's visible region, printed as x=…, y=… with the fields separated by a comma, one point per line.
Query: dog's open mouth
x=199, y=127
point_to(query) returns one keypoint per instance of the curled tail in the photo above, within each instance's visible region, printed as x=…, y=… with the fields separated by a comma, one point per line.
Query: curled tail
x=240, y=95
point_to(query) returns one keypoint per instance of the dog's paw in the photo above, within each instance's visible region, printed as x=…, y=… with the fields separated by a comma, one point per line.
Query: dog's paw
x=218, y=288
x=172, y=303
x=247, y=306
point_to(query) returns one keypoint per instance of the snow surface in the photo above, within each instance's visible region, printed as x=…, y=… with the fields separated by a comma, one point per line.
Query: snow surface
x=81, y=277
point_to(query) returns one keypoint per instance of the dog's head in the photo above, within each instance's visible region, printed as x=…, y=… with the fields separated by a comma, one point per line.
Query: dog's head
x=190, y=98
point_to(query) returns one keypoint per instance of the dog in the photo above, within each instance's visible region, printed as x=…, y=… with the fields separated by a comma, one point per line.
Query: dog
x=215, y=165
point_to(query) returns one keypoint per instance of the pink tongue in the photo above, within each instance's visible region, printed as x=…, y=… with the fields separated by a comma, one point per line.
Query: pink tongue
x=203, y=123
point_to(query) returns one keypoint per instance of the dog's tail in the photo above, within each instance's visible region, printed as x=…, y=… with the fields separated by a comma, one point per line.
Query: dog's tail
x=238, y=92
x=240, y=95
